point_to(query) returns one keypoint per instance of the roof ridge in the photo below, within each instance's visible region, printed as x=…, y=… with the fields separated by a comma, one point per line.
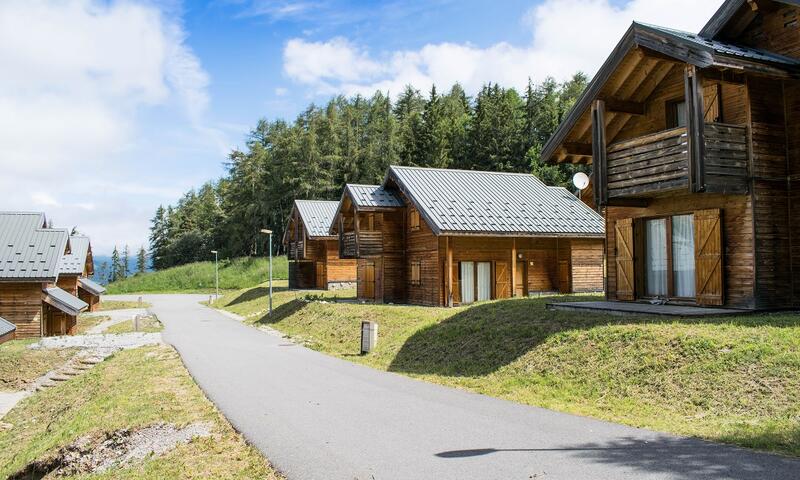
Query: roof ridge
x=409, y=167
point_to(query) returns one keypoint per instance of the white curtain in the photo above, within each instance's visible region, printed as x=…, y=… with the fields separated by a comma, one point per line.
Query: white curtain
x=656, y=257
x=467, y=282
x=683, y=255
x=484, y=281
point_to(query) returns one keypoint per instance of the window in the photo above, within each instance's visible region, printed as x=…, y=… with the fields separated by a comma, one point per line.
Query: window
x=416, y=267
x=413, y=220
x=669, y=263
x=676, y=113
x=476, y=281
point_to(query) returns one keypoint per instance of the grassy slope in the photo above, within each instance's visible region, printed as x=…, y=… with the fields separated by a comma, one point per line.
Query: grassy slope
x=147, y=325
x=134, y=388
x=733, y=380
x=20, y=365
x=199, y=277
x=106, y=305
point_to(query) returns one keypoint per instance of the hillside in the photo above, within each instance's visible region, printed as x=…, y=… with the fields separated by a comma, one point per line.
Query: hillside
x=732, y=379
x=238, y=273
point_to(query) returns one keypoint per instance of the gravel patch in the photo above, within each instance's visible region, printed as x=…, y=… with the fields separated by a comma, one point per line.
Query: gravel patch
x=118, y=342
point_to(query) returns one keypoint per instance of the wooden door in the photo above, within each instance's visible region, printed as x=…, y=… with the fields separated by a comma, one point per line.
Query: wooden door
x=564, y=280
x=502, y=280
x=321, y=276
x=708, y=256
x=369, y=281
x=624, y=259
x=521, y=282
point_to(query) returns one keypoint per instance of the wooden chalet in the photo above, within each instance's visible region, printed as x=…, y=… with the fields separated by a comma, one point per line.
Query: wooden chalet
x=30, y=260
x=313, y=253
x=448, y=237
x=695, y=152
x=75, y=271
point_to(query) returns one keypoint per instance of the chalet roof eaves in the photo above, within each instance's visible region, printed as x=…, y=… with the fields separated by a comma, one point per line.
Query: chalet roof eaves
x=725, y=12
x=391, y=175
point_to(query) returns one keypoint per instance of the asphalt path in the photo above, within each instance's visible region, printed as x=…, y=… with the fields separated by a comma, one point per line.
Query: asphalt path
x=318, y=417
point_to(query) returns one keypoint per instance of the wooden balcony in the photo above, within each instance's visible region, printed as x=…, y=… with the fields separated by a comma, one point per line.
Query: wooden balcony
x=658, y=163
x=368, y=243
x=296, y=250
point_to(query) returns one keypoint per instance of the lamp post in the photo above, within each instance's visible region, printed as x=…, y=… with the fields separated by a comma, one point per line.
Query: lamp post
x=269, y=232
x=216, y=271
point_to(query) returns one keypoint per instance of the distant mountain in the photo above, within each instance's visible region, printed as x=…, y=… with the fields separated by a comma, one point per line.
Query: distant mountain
x=100, y=259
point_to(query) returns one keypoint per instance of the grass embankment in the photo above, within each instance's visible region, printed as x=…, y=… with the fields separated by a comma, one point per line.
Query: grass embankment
x=732, y=379
x=106, y=305
x=19, y=365
x=87, y=322
x=134, y=388
x=199, y=277
x=148, y=324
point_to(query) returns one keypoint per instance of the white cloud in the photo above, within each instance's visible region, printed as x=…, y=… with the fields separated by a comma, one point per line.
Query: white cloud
x=567, y=36
x=281, y=92
x=78, y=78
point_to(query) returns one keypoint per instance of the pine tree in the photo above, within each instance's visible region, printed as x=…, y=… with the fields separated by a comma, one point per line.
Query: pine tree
x=125, y=262
x=116, y=267
x=141, y=260
x=102, y=273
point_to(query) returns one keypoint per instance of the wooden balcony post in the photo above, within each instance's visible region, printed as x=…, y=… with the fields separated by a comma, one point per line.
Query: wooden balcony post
x=449, y=293
x=695, y=126
x=513, y=267
x=341, y=235
x=599, y=152
x=355, y=229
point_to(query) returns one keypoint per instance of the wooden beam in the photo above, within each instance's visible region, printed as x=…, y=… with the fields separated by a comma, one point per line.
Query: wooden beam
x=624, y=106
x=628, y=202
x=449, y=293
x=599, y=152
x=724, y=76
x=355, y=228
x=513, y=267
x=578, y=149
x=695, y=124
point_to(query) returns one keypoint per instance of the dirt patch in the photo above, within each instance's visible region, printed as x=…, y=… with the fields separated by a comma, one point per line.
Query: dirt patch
x=102, y=451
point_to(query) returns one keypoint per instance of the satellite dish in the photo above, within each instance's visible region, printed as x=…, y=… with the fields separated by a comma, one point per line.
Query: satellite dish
x=580, y=180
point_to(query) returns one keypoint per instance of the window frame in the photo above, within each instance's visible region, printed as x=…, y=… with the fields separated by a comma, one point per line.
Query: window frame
x=640, y=269
x=671, y=113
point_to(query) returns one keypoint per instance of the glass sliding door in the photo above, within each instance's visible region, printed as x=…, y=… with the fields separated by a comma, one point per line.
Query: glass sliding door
x=484, y=281
x=655, y=258
x=683, y=256
x=467, y=282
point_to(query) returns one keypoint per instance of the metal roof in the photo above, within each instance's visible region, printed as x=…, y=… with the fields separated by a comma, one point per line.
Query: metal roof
x=29, y=252
x=64, y=301
x=74, y=262
x=91, y=286
x=494, y=203
x=720, y=47
x=317, y=215
x=373, y=196
x=6, y=327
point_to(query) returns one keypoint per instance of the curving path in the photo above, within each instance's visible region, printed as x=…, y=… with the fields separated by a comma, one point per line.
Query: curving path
x=318, y=417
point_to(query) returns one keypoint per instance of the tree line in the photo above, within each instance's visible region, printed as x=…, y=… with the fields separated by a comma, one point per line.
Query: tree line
x=118, y=267
x=354, y=140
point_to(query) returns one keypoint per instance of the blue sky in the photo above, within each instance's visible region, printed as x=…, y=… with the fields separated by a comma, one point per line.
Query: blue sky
x=110, y=108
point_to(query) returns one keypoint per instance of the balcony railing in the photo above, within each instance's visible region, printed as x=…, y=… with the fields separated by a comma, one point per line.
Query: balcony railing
x=368, y=243
x=657, y=163
x=296, y=250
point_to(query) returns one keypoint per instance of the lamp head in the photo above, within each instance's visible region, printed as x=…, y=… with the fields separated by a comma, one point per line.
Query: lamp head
x=264, y=230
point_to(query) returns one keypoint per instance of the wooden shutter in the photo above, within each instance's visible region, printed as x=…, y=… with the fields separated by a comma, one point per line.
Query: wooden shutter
x=708, y=256
x=321, y=275
x=624, y=259
x=502, y=277
x=369, y=280
x=711, y=102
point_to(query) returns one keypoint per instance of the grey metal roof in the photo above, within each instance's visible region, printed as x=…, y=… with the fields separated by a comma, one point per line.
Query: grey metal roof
x=91, y=286
x=373, y=196
x=29, y=252
x=317, y=215
x=494, y=203
x=64, y=301
x=74, y=262
x=6, y=327
x=720, y=47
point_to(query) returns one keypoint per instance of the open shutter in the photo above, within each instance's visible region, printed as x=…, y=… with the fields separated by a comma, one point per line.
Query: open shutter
x=711, y=100
x=502, y=278
x=624, y=259
x=708, y=256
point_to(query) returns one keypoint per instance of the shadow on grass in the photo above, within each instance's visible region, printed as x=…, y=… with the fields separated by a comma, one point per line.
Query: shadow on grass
x=485, y=337
x=282, y=311
x=663, y=456
x=255, y=294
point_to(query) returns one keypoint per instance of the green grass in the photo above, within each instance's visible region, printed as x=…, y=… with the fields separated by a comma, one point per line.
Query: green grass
x=731, y=379
x=147, y=324
x=87, y=322
x=106, y=305
x=134, y=388
x=199, y=277
x=20, y=365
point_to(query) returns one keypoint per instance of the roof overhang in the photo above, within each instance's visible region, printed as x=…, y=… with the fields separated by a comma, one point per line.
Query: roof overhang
x=61, y=300
x=655, y=42
x=91, y=286
x=725, y=14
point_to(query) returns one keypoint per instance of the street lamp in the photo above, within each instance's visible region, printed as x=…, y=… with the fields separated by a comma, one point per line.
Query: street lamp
x=216, y=271
x=269, y=232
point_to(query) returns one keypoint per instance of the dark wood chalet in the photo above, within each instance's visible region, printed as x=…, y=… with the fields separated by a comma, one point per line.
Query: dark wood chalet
x=313, y=252
x=30, y=262
x=447, y=237
x=695, y=152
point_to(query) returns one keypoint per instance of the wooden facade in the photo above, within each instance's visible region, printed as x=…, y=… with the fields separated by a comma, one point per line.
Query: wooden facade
x=401, y=259
x=682, y=136
x=314, y=261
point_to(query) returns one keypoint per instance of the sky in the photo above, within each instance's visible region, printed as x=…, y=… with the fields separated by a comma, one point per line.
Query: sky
x=109, y=109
